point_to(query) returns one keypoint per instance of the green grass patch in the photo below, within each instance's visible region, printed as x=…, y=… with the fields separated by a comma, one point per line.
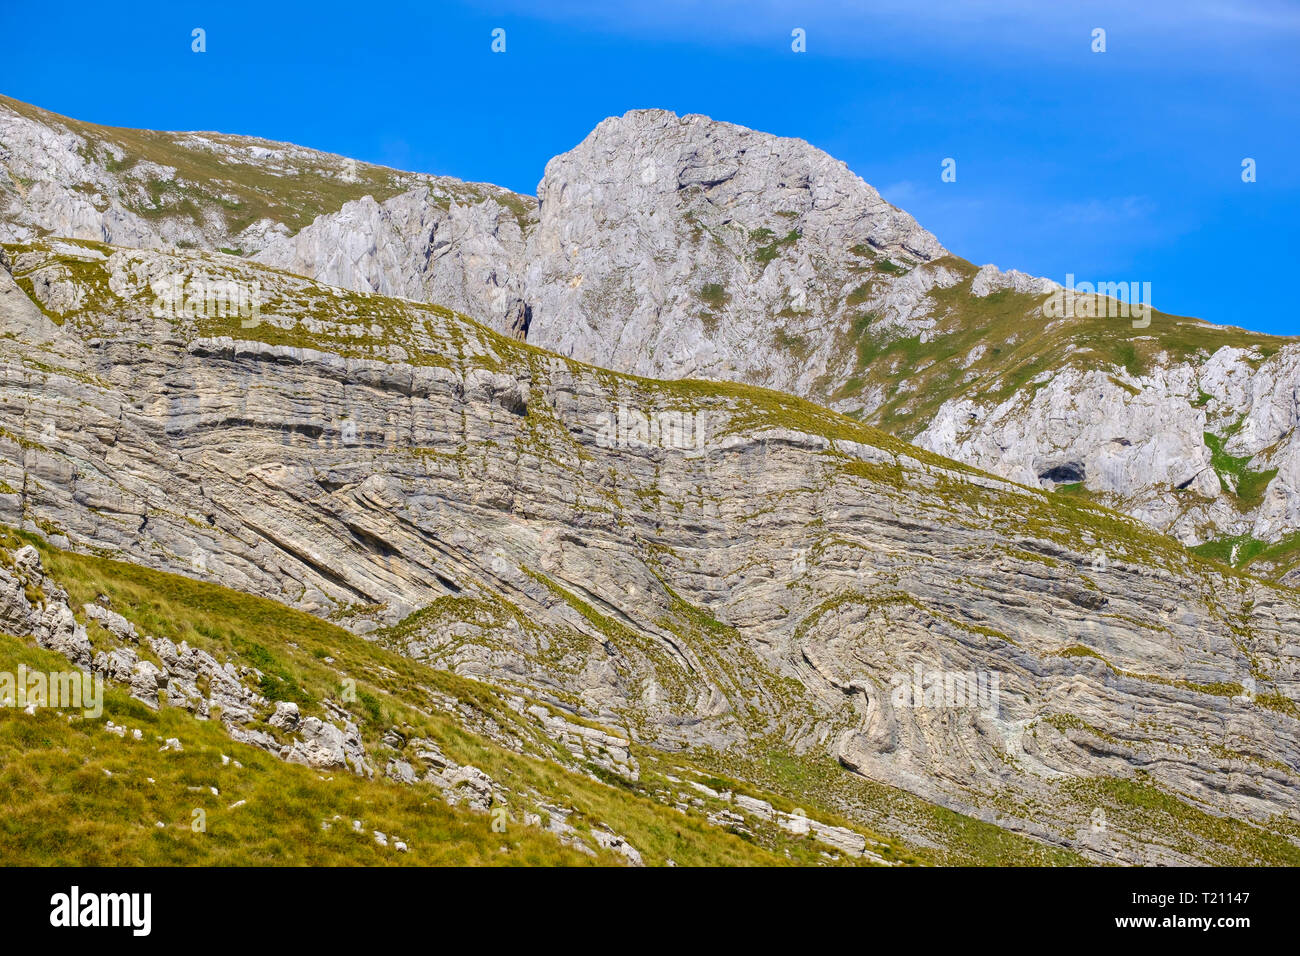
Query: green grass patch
x=714, y=295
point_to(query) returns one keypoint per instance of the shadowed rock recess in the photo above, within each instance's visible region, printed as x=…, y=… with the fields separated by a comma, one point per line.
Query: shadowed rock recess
x=773, y=590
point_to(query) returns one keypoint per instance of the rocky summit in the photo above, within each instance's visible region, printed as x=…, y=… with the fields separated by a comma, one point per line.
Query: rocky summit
x=708, y=480
x=672, y=247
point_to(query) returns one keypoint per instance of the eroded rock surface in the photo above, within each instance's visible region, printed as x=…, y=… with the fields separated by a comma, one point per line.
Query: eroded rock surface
x=792, y=578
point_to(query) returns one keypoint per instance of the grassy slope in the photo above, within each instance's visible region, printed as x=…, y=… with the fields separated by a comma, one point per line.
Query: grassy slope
x=55, y=766
x=74, y=794
x=205, y=614
x=309, y=185
x=1019, y=345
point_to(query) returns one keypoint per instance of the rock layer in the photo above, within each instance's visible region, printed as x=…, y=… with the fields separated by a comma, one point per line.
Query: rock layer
x=675, y=246
x=717, y=568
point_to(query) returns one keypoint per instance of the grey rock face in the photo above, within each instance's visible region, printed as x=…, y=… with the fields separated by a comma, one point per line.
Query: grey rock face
x=1140, y=442
x=665, y=244
x=681, y=247
x=65, y=178
x=42, y=165
x=419, y=246
x=791, y=577
x=655, y=246
x=676, y=247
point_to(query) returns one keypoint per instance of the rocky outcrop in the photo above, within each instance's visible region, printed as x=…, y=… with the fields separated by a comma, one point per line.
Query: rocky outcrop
x=158, y=672
x=327, y=746
x=678, y=246
x=788, y=576
x=662, y=239
x=654, y=245
x=1142, y=443
x=31, y=604
x=211, y=191
x=420, y=246
x=990, y=279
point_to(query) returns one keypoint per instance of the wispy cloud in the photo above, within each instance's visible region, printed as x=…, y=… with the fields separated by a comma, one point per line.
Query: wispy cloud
x=1107, y=212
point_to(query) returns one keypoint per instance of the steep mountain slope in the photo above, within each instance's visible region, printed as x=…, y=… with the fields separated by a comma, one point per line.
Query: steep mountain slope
x=1188, y=426
x=679, y=246
x=201, y=190
x=672, y=246
x=425, y=768
x=765, y=587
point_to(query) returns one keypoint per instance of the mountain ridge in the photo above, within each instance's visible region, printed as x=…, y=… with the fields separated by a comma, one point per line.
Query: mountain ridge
x=677, y=247
x=454, y=496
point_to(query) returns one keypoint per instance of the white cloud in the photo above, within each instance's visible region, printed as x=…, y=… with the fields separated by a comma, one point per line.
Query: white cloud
x=1106, y=212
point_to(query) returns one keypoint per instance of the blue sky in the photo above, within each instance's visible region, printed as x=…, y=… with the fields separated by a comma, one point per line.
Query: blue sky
x=1112, y=166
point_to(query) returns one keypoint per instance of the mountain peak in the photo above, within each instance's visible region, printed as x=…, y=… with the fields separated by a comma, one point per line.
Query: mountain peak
x=683, y=246
x=752, y=174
